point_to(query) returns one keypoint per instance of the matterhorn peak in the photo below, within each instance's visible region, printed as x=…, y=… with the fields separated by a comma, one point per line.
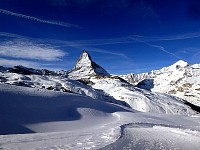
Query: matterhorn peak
x=84, y=60
x=85, y=67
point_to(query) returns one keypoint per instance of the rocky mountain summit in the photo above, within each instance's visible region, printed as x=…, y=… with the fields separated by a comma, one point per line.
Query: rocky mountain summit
x=85, y=67
x=180, y=79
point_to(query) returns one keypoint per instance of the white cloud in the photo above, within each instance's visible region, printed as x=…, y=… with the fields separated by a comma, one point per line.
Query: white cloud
x=58, y=23
x=11, y=35
x=88, y=44
x=29, y=50
x=29, y=64
x=11, y=63
x=110, y=41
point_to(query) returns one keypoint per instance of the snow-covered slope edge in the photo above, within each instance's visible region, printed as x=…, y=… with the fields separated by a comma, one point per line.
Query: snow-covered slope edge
x=139, y=99
x=70, y=121
x=29, y=110
x=180, y=79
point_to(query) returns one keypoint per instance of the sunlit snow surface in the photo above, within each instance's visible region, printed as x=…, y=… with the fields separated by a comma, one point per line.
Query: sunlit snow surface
x=180, y=79
x=109, y=89
x=55, y=120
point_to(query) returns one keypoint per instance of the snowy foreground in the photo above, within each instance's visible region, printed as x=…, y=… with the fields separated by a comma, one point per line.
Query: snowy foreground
x=62, y=121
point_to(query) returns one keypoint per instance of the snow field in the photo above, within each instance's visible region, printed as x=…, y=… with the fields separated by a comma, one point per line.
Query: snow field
x=60, y=121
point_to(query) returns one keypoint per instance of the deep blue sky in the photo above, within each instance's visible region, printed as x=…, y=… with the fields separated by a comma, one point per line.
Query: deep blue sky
x=123, y=36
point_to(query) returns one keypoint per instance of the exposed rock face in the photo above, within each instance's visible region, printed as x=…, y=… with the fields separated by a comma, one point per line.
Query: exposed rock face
x=180, y=79
x=85, y=67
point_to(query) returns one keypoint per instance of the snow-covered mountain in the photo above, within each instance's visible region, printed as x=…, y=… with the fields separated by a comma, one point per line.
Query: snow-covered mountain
x=86, y=108
x=89, y=79
x=108, y=88
x=180, y=79
x=85, y=67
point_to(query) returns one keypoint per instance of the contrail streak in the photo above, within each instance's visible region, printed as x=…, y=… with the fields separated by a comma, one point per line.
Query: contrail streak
x=159, y=47
x=68, y=25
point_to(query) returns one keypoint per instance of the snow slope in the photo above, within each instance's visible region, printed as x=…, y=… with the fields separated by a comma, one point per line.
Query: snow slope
x=56, y=120
x=139, y=99
x=156, y=136
x=180, y=79
x=26, y=110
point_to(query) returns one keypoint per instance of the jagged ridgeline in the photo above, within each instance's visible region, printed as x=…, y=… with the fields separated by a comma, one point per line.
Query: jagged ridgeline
x=180, y=79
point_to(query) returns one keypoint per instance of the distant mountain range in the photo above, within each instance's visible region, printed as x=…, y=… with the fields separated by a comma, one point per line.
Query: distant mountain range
x=157, y=91
x=180, y=79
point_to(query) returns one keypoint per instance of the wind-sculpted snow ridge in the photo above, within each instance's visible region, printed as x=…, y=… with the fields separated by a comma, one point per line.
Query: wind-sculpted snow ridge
x=180, y=79
x=57, y=120
x=143, y=136
x=85, y=67
x=29, y=110
x=74, y=118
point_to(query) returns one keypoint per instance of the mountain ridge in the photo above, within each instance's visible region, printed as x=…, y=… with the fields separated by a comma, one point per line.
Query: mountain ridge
x=180, y=79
